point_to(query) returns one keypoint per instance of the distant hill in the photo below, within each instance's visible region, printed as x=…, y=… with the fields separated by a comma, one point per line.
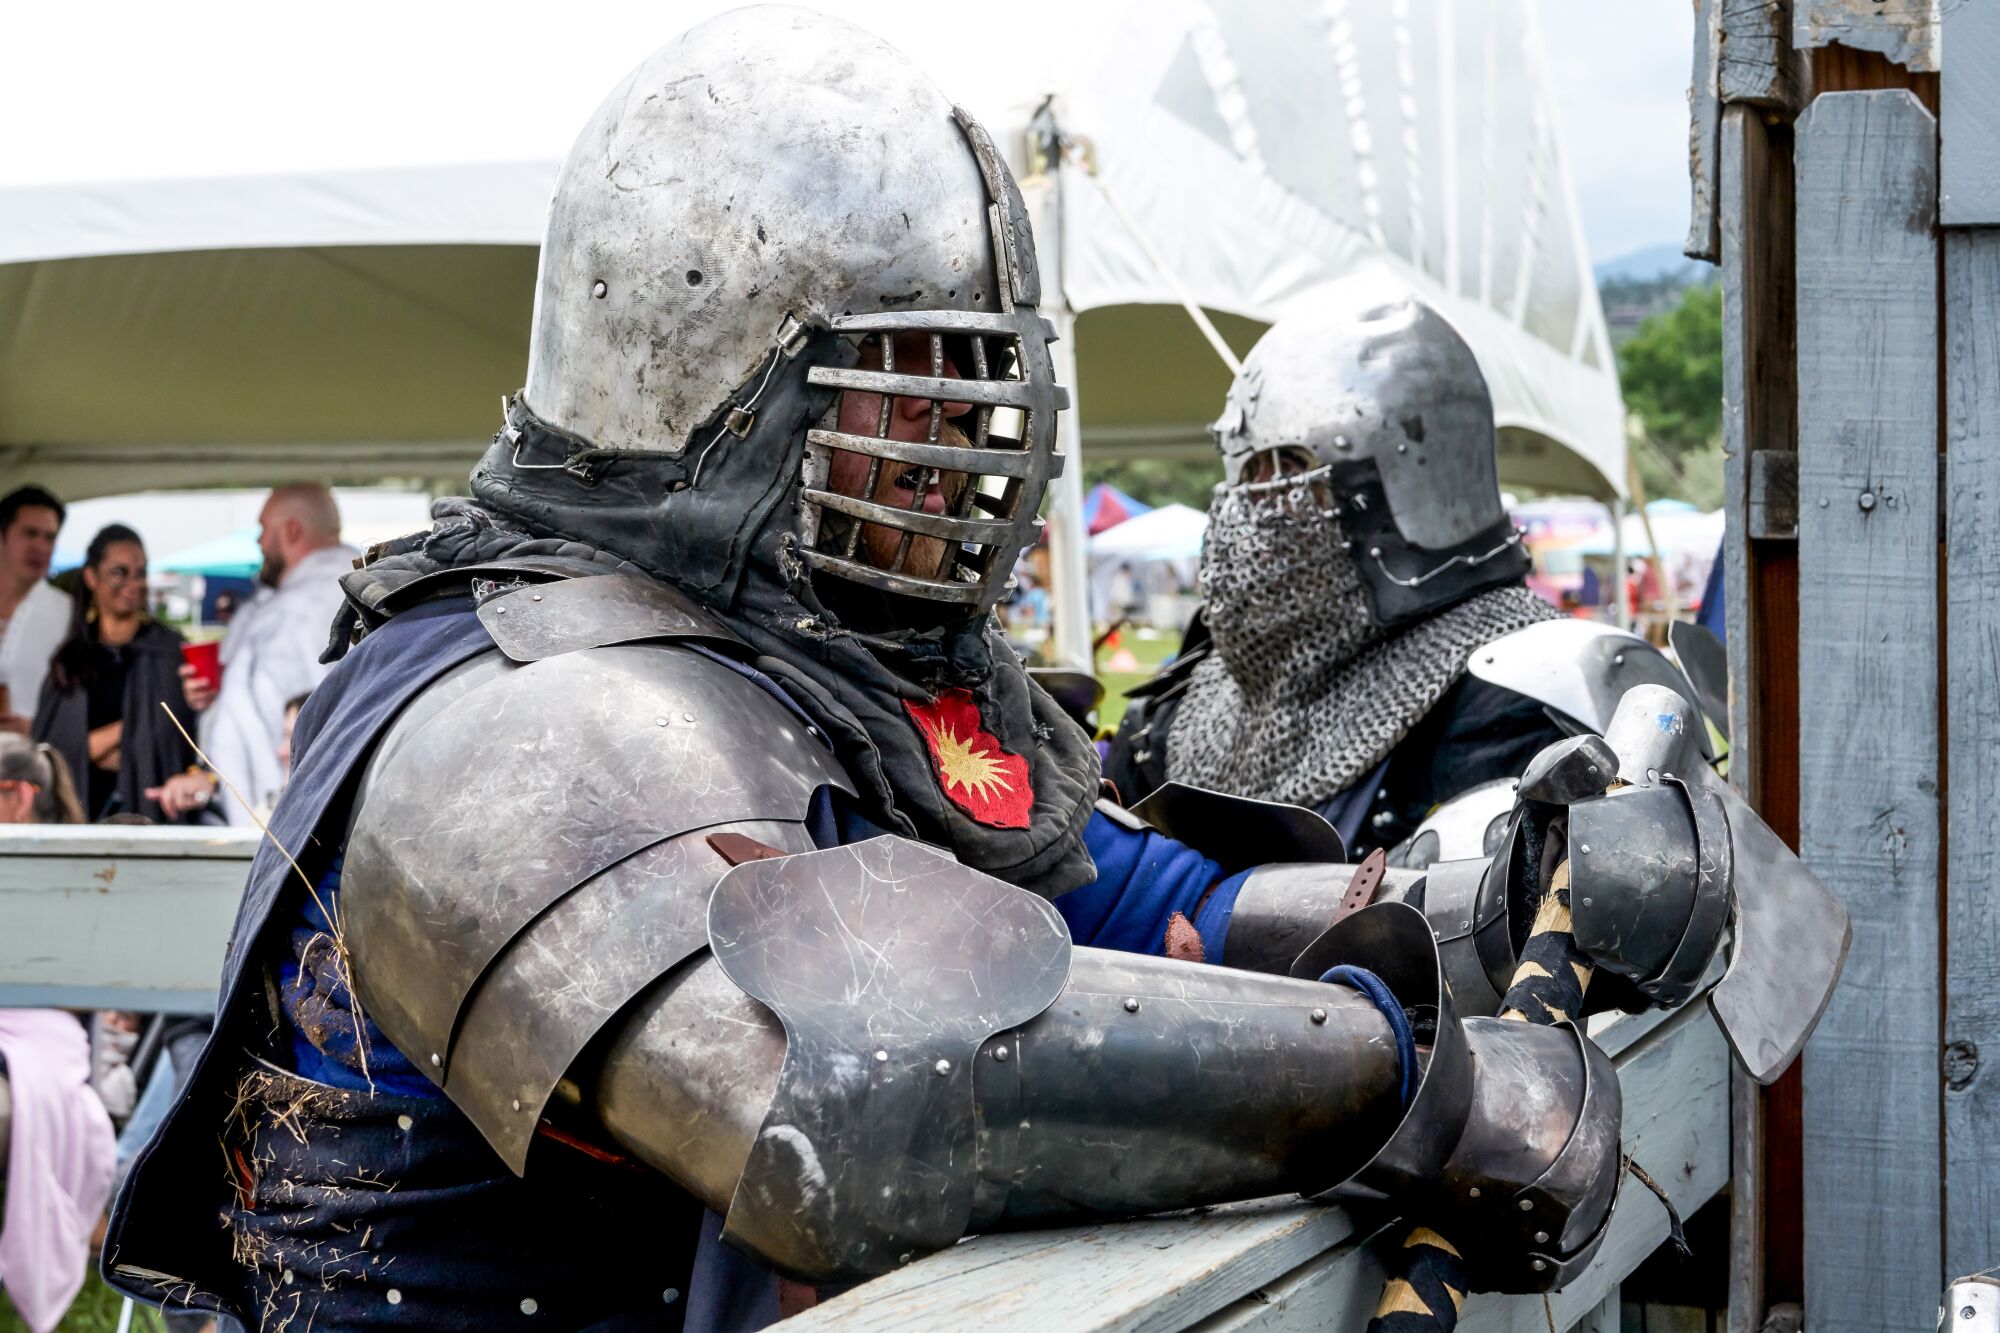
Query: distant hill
x=1637, y=286
x=1653, y=264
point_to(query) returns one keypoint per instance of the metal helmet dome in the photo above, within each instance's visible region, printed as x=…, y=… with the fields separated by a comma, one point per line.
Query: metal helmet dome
x=1372, y=405
x=770, y=175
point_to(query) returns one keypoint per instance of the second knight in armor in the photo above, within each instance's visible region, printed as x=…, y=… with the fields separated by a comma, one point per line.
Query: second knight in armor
x=1358, y=561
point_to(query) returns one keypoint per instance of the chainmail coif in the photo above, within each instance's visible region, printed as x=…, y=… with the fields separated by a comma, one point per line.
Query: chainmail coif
x=1304, y=693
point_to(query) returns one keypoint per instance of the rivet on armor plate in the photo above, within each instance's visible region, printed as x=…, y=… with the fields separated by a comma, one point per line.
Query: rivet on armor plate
x=517, y=1103
x=662, y=721
x=881, y=1057
x=499, y=610
x=1541, y=1238
x=435, y=1060
x=1586, y=902
x=1538, y=1265
x=528, y=1305
x=534, y=597
x=1319, y=1015
x=941, y=1068
x=1131, y=1005
x=1527, y=1205
x=999, y=1052
x=1474, y=1191
x=395, y=1297
x=687, y=717
x=1583, y=847
x=670, y=1295
x=404, y=1122
x=598, y=289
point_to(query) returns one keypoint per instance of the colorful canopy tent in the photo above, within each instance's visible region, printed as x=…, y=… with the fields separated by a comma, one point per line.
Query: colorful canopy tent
x=1106, y=507
x=1229, y=154
x=234, y=556
x=1171, y=532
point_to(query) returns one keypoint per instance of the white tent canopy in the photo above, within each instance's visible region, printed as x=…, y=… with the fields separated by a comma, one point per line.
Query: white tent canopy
x=1171, y=532
x=359, y=325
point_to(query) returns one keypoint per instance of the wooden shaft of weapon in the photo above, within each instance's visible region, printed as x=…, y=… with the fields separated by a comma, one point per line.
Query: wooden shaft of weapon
x=1425, y=1286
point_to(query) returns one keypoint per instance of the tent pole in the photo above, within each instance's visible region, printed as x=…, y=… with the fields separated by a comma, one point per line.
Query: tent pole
x=1621, y=610
x=1069, y=568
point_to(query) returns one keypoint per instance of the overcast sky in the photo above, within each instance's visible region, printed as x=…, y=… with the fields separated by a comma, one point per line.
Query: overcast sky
x=108, y=91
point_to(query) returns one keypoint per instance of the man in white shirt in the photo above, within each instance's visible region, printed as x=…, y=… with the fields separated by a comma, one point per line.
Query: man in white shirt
x=271, y=653
x=34, y=617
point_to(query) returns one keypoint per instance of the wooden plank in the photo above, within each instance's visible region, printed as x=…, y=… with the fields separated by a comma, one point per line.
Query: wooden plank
x=1758, y=66
x=1704, y=123
x=1152, y=1273
x=133, y=918
x=1675, y=1085
x=1903, y=31
x=1868, y=530
x=1969, y=117
x=1972, y=920
x=1760, y=424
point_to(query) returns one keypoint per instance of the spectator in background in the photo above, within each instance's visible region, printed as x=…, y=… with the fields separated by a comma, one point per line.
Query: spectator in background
x=271, y=653
x=57, y=1172
x=56, y=1154
x=34, y=616
x=35, y=784
x=101, y=705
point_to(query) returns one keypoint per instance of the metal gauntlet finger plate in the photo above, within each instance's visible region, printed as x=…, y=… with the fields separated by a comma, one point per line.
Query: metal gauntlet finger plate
x=889, y=964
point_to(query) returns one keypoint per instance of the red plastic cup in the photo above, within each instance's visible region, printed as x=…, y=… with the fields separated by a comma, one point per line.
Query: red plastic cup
x=206, y=659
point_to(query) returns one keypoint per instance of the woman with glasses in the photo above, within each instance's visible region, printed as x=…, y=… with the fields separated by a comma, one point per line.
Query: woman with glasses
x=101, y=705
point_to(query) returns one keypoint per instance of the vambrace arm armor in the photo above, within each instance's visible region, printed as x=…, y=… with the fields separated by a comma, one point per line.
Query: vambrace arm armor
x=886, y=1051
x=1666, y=862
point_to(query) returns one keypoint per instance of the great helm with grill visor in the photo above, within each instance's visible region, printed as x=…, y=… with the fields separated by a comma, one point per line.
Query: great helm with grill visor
x=773, y=188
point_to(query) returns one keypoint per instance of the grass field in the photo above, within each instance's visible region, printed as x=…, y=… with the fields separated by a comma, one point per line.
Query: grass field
x=1151, y=649
x=94, y=1311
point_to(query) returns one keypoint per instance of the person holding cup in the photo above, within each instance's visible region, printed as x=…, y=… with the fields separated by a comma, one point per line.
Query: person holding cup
x=100, y=707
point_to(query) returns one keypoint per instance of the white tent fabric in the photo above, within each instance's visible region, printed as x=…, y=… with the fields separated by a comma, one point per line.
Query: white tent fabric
x=1267, y=148
x=360, y=324
x=1171, y=532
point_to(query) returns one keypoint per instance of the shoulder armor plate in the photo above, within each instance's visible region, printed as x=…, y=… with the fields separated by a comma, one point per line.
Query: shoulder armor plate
x=1237, y=832
x=549, y=619
x=1580, y=668
x=523, y=860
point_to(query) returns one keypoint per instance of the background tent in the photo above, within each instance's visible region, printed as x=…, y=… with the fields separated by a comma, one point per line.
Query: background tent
x=1106, y=507
x=363, y=325
x=234, y=556
x=1171, y=532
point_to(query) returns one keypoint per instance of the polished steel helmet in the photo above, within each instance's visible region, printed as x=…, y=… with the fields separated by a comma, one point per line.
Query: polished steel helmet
x=770, y=177
x=1372, y=405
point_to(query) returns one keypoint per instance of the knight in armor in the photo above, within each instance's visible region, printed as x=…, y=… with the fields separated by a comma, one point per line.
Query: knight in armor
x=670, y=912
x=1366, y=646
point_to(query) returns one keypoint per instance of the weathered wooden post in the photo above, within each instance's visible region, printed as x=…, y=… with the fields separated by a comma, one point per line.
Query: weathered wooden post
x=1861, y=280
